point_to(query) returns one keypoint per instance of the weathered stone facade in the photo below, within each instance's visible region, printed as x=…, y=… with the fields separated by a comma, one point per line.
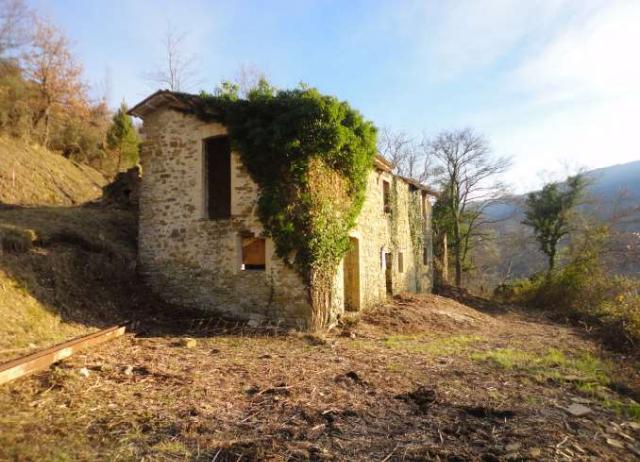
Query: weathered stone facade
x=197, y=262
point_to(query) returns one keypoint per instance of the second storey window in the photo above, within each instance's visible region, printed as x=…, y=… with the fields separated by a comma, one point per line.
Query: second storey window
x=217, y=177
x=386, y=196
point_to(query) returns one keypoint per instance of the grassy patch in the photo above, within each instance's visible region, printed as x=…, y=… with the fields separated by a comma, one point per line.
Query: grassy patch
x=589, y=375
x=172, y=447
x=584, y=368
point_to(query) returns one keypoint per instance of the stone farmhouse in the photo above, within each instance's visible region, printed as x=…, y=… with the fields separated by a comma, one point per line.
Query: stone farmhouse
x=201, y=243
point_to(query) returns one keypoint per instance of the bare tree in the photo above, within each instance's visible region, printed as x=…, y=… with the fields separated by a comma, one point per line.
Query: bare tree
x=50, y=65
x=14, y=20
x=470, y=183
x=408, y=158
x=177, y=72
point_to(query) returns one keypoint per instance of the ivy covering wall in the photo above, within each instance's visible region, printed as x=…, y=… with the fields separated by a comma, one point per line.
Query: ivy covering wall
x=310, y=154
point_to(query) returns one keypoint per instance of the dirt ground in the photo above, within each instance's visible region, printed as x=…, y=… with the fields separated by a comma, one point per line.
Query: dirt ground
x=422, y=378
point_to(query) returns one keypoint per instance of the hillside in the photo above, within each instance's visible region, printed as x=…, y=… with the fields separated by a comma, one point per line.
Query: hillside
x=31, y=175
x=64, y=271
x=609, y=182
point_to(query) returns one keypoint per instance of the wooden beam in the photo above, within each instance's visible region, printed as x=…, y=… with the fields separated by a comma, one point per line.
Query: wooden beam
x=41, y=360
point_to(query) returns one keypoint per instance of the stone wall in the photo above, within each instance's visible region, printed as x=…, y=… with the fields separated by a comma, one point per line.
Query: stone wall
x=378, y=233
x=196, y=262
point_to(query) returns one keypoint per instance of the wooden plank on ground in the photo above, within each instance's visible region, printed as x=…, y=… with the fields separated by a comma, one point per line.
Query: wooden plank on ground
x=41, y=360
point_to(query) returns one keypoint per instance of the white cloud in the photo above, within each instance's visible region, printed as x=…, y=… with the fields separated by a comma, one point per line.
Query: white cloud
x=592, y=57
x=576, y=100
x=456, y=37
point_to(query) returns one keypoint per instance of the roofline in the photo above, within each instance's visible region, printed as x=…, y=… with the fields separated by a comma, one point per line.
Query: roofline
x=154, y=101
x=381, y=163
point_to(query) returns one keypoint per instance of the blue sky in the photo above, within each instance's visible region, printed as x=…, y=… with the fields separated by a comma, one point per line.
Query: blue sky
x=552, y=83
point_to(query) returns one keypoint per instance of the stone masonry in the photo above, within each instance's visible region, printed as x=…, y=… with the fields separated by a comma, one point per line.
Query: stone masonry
x=196, y=262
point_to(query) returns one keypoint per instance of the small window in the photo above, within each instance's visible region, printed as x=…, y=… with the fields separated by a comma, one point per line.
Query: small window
x=253, y=253
x=217, y=178
x=424, y=205
x=386, y=196
x=425, y=256
x=400, y=263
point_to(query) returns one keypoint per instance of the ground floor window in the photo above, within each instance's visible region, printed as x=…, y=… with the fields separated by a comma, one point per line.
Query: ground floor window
x=253, y=253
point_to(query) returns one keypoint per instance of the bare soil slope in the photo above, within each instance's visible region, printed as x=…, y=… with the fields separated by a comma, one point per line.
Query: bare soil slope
x=31, y=175
x=422, y=378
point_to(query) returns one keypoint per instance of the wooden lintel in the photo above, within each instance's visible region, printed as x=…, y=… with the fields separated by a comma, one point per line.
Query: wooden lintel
x=41, y=360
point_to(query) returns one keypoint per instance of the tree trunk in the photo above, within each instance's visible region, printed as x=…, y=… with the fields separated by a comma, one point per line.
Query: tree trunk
x=457, y=253
x=47, y=123
x=320, y=291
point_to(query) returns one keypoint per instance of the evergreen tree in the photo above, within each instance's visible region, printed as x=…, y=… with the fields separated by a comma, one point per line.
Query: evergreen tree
x=548, y=212
x=123, y=139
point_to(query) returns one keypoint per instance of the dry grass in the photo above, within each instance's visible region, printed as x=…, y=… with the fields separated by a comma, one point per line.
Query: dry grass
x=63, y=272
x=453, y=389
x=31, y=175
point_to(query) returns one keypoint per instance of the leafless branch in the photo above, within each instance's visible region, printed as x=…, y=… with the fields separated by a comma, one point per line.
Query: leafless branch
x=177, y=72
x=15, y=17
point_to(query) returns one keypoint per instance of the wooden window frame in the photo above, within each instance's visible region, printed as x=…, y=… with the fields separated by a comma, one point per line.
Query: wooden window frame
x=261, y=263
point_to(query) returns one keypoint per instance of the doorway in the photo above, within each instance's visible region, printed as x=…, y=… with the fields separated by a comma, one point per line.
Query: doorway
x=388, y=272
x=352, y=276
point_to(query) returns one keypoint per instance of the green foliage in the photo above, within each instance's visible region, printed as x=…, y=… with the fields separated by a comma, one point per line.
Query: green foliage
x=123, y=138
x=548, y=212
x=584, y=292
x=310, y=154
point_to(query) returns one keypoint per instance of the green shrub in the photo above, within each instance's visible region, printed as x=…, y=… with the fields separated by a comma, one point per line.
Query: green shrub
x=583, y=292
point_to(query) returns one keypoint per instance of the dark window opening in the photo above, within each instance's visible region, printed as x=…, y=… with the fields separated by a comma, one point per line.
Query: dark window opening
x=253, y=253
x=388, y=277
x=386, y=196
x=425, y=256
x=217, y=161
x=400, y=263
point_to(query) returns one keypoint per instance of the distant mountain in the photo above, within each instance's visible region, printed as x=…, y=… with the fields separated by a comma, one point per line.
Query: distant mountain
x=617, y=185
x=610, y=182
x=515, y=252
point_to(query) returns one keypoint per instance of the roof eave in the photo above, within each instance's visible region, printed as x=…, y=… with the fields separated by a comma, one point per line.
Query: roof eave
x=155, y=101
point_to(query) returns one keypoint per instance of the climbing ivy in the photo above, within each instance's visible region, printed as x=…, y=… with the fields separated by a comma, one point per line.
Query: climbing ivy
x=310, y=154
x=393, y=215
x=417, y=231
